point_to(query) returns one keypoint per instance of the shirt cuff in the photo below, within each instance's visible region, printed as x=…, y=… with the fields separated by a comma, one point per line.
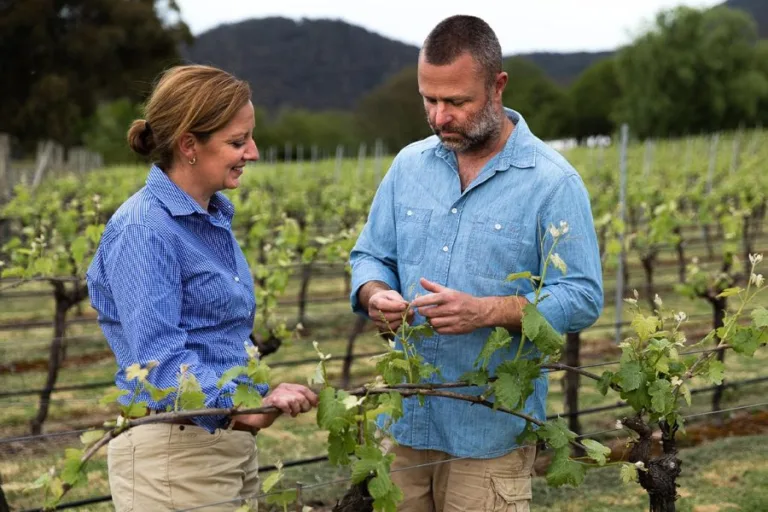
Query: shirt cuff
x=365, y=272
x=550, y=308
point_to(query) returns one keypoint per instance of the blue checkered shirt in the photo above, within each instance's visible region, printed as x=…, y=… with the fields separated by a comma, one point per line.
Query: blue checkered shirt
x=171, y=284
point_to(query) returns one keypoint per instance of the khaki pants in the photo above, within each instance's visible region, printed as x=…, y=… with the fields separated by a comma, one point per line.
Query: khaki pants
x=483, y=485
x=172, y=467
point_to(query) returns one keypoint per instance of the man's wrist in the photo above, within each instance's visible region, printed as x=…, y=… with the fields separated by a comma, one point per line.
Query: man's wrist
x=368, y=290
x=506, y=312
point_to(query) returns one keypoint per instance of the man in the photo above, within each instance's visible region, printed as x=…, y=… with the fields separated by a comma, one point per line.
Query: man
x=454, y=216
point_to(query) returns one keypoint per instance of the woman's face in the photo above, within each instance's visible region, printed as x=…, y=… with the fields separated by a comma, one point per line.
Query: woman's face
x=220, y=160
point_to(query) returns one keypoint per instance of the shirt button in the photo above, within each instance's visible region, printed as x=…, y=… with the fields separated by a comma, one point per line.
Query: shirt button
x=454, y=210
x=497, y=226
x=445, y=248
x=237, y=279
x=409, y=212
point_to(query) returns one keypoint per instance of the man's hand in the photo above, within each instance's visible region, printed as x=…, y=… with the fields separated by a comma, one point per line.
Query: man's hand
x=291, y=399
x=450, y=311
x=386, y=308
x=453, y=312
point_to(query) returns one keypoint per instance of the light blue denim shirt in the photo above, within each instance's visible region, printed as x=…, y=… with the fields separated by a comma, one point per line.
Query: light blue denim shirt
x=422, y=225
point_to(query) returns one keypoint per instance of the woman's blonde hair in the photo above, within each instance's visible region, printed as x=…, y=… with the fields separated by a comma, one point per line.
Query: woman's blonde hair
x=193, y=98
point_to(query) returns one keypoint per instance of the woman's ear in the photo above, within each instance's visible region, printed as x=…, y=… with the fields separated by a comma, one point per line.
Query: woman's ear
x=188, y=147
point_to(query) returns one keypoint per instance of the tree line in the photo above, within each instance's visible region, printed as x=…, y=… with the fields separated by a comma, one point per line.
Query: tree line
x=77, y=73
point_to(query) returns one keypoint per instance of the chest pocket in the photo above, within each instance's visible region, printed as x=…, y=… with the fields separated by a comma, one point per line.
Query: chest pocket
x=494, y=247
x=412, y=225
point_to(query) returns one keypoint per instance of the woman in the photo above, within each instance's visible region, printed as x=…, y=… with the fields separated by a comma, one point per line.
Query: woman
x=171, y=285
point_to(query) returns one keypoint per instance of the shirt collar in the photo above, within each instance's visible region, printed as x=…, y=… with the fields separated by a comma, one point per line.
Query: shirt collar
x=179, y=202
x=519, y=150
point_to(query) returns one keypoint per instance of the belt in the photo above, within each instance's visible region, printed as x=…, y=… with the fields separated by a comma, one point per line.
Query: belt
x=232, y=424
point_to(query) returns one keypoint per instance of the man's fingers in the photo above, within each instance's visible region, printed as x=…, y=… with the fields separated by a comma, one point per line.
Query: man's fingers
x=433, y=287
x=433, y=299
x=389, y=305
x=438, y=311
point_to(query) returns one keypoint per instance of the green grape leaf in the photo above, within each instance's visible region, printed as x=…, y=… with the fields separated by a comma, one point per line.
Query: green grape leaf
x=645, y=326
x=136, y=409
x=369, y=462
x=332, y=414
x=113, y=396
x=73, y=473
x=543, y=335
x=476, y=378
x=604, y=384
x=246, y=397
x=498, y=340
x=380, y=486
x=556, y=434
x=90, y=437
x=628, y=473
x=507, y=390
x=760, y=317
x=157, y=394
x=662, y=399
x=191, y=395
x=715, y=371
x=730, y=292
x=596, y=451
x=746, y=340
x=630, y=376
x=230, y=375
x=564, y=471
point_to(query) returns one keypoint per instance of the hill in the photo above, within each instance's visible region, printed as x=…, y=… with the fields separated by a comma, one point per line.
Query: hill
x=317, y=64
x=759, y=11
x=331, y=65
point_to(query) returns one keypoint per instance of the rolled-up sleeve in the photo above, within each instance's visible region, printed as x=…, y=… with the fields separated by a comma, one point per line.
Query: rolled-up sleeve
x=145, y=282
x=574, y=300
x=374, y=256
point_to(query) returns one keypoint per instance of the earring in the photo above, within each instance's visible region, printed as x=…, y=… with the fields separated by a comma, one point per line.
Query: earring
x=193, y=161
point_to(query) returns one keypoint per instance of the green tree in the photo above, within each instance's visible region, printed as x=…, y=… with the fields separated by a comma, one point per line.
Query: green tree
x=61, y=59
x=394, y=111
x=593, y=98
x=543, y=104
x=106, y=131
x=693, y=71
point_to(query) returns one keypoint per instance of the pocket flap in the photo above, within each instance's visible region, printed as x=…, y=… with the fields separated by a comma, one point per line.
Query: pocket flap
x=512, y=489
x=412, y=214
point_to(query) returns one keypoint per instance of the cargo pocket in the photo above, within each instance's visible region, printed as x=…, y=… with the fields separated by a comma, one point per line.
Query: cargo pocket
x=509, y=494
x=120, y=467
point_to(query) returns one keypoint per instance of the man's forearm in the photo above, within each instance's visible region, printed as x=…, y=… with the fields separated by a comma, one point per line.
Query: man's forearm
x=506, y=312
x=368, y=290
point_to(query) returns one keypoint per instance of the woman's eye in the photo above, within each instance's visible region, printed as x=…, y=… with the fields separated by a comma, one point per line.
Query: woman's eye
x=238, y=144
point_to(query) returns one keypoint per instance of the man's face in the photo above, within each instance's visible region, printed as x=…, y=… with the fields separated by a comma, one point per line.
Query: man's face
x=461, y=108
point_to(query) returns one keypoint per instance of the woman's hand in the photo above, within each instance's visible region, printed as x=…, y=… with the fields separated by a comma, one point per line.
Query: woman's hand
x=292, y=399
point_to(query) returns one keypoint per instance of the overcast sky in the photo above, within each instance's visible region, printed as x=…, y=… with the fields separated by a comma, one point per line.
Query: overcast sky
x=522, y=26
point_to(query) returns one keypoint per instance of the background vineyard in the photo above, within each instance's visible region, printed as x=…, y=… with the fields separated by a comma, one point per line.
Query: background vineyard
x=694, y=211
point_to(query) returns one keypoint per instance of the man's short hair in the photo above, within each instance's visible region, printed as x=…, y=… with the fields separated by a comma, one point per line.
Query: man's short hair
x=462, y=33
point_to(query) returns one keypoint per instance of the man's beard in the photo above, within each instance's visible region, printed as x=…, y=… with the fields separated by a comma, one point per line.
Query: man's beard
x=481, y=129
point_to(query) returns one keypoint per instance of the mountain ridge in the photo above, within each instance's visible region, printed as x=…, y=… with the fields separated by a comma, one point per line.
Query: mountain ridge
x=329, y=64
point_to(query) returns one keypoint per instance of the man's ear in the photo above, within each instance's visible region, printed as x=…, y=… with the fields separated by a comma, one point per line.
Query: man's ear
x=501, y=83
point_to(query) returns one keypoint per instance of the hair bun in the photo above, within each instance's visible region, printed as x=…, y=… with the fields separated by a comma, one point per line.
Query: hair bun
x=140, y=137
